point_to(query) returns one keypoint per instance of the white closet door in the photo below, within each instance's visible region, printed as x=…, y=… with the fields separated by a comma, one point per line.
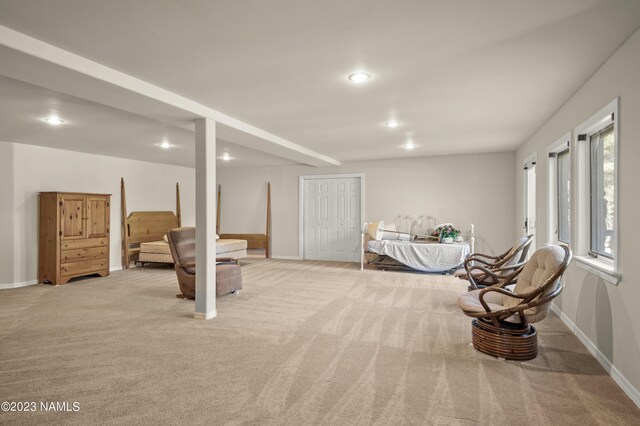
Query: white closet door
x=332, y=219
x=317, y=243
x=347, y=220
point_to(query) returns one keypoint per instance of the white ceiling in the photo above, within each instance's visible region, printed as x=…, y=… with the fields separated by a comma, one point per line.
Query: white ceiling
x=98, y=129
x=461, y=75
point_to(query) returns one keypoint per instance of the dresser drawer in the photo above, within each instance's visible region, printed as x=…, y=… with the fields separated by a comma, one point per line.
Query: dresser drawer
x=84, y=243
x=67, y=256
x=84, y=267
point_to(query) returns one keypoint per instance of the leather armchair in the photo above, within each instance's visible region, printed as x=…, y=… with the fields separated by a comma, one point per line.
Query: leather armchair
x=182, y=242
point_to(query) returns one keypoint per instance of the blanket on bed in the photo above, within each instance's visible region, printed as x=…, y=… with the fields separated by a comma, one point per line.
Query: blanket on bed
x=426, y=257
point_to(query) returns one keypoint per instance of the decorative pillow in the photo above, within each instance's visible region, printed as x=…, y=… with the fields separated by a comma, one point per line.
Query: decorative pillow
x=217, y=237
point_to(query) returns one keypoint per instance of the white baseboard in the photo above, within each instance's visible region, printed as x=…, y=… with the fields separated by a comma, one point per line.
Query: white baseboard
x=205, y=316
x=624, y=384
x=34, y=282
x=286, y=257
x=18, y=285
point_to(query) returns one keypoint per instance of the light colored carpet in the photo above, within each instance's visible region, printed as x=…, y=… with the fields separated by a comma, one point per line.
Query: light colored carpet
x=303, y=343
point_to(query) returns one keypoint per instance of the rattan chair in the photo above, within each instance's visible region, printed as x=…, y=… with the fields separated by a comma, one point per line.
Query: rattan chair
x=502, y=325
x=483, y=270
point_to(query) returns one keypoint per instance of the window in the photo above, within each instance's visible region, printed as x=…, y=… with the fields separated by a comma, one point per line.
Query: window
x=596, y=188
x=559, y=170
x=563, y=190
x=603, y=192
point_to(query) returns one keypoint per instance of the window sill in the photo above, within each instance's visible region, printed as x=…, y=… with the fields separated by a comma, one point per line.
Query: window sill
x=599, y=268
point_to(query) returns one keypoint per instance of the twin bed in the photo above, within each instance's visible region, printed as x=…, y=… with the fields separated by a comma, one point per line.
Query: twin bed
x=144, y=241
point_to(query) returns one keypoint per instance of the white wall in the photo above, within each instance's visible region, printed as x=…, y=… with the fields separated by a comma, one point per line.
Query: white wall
x=462, y=189
x=150, y=186
x=6, y=213
x=607, y=315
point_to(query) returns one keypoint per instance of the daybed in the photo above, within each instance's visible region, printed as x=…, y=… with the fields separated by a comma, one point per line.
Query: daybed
x=389, y=250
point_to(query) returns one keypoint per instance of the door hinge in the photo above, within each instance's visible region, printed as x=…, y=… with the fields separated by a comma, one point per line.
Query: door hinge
x=60, y=203
x=107, y=204
x=60, y=233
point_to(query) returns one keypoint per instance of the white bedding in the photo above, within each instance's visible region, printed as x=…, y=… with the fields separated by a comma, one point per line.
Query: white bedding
x=224, y=246
x=426, y=257
x=159, y=251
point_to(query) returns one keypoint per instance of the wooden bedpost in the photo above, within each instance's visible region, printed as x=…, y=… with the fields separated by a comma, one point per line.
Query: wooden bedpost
x=268, y=233
x=218, y=212
x=178, y=213
x=125, y=234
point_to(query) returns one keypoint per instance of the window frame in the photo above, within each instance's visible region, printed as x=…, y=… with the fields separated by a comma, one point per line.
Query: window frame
x=606, y=268
x=560, y=145
x=593, y=251
x=530, y=161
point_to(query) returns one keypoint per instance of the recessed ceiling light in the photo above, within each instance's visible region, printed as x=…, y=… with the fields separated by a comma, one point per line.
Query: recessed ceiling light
x=392, y=124
x=359, y=77
x=165, y=144
x=409, y=146
x=54, y=121
x=225, y=157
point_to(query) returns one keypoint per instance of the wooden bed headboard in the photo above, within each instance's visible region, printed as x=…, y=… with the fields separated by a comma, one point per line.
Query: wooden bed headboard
x=145, y=226
x=254, y=241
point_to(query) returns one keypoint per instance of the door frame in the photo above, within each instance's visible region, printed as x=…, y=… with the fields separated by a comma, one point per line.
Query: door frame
x=301, y=181
x=531, y=158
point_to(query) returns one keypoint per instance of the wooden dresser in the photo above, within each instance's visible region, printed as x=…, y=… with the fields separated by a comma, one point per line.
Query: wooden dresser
x=73, y=236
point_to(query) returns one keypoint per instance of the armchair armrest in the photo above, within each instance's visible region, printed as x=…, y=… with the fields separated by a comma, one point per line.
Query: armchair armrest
x=467, y=262
x=476, y=256
x=486, y=273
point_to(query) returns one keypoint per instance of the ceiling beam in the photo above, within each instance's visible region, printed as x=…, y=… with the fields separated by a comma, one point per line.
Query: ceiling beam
x=34, y=61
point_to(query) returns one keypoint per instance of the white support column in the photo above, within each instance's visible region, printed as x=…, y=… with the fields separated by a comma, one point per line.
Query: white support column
x=205, y=219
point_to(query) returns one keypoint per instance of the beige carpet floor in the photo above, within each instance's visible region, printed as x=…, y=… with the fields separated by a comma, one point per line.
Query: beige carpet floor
x=303, y=343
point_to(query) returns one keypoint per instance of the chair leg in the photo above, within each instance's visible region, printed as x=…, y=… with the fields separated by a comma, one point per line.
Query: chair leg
x=512, y=344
